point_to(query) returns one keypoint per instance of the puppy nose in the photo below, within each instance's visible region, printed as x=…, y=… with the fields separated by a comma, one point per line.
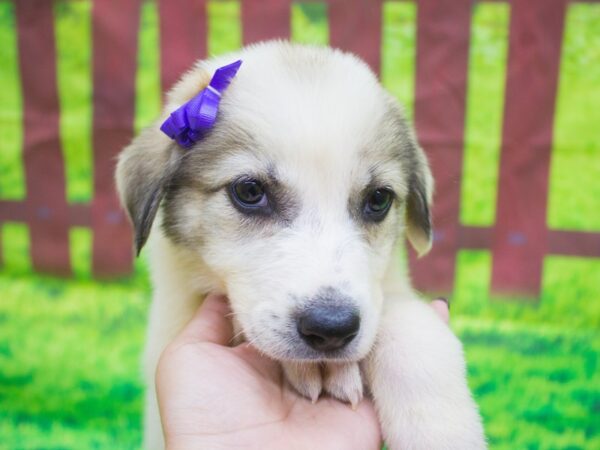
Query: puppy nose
x=328, y=327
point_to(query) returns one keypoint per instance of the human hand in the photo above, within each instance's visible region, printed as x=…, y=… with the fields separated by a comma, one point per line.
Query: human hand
x=211, y=395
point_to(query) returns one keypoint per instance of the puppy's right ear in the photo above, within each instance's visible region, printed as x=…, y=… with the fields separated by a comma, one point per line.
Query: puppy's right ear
x=144, y=170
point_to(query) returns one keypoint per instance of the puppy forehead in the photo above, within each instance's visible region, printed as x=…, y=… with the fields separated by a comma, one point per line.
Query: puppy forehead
x=302, y=111
x=305, y=100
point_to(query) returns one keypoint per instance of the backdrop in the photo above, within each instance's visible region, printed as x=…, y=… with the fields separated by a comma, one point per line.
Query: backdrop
x=504, y=98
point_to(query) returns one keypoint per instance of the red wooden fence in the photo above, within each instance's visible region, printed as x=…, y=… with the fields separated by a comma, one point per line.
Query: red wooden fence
x=520, y=238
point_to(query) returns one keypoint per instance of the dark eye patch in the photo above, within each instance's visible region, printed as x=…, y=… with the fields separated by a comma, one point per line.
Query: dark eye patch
x=264, y=197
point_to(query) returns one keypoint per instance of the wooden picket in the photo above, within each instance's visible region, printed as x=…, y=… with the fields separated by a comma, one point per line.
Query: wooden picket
x=183, y=25
x=114, y=36
x=520, y=238
x=443, y=30
x=46, y=211
x=265, y=19
x=357, y=28
x=520, y=235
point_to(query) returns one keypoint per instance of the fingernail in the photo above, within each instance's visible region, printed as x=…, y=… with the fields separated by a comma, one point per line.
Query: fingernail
x=445, y=300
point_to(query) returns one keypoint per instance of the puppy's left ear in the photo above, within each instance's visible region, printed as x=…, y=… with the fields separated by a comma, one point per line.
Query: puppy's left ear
x=419, y=229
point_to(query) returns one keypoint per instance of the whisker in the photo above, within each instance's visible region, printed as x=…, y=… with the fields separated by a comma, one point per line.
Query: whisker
x=235, y=336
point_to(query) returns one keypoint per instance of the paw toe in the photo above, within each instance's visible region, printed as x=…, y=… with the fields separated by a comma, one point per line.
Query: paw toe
x=304, y=378
x=344, y=382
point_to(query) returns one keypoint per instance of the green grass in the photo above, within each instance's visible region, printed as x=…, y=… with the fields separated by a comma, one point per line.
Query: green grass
x=69, y=358
x=537, y=387
x=70, y=349
x=570, y=294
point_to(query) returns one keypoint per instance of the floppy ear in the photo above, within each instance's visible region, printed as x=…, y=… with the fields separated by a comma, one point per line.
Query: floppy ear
x=144, y=171
x=418, y=205
x=419, y=229
x=147, y=165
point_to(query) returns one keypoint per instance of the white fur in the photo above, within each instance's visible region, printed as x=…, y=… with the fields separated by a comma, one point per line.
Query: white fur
x=315, y=113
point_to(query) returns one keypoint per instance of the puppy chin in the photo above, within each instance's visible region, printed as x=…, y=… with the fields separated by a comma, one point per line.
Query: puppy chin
x=309, y=355
x=294, y=349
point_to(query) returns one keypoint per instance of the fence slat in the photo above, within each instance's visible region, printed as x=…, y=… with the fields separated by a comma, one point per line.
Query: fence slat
x=574, y=243
x=519, y=240
x=520, y=235
x=443, y=28
x=265, y=19
x=114, y=36
x=474, y=238
x=44, y=165
x=357, y=29
x=183, y=32
x=18, y=211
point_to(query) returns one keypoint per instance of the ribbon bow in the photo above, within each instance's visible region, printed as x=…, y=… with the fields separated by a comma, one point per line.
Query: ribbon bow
x=190, y=122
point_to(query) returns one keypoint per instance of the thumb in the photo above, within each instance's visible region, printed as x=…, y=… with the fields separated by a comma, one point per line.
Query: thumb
x=210, y=323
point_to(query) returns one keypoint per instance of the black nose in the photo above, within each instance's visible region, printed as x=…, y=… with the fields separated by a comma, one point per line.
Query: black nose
x=328, y=327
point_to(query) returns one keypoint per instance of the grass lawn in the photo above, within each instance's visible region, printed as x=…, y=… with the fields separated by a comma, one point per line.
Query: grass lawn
x=70, y=349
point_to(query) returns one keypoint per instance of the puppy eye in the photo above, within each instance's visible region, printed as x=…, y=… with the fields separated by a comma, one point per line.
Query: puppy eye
x=377, y=204
x=248, y=193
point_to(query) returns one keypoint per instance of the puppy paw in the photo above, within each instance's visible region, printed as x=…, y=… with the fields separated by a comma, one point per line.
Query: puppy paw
x=344, y=382
x=305, y=378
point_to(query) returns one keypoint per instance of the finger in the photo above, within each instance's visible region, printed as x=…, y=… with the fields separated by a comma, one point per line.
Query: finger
x=210, y=322
x=441, y=307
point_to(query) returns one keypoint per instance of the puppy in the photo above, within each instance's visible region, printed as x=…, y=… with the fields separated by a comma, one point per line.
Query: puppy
x=294, y=205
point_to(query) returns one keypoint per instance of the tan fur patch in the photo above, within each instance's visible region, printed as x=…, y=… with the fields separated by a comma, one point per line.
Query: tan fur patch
x=189, y=85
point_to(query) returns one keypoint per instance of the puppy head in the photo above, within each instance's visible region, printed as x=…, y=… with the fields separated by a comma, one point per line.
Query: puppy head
x=295, y=198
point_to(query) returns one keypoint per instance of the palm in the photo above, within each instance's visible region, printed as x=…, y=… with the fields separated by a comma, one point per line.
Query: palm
x=239, y=396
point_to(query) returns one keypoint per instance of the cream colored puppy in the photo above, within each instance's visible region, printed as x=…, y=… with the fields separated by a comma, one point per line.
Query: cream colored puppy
x=294, y=206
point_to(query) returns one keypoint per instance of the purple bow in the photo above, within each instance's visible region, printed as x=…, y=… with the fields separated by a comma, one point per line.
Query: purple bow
x=190, y=122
